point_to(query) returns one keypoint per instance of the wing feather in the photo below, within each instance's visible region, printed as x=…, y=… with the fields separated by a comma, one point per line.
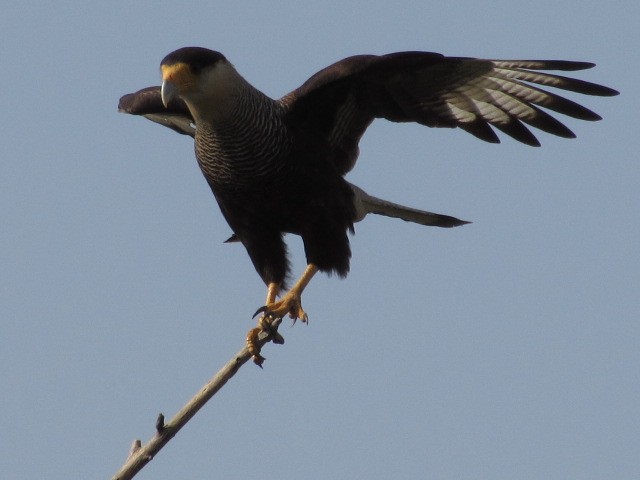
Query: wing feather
x=478, y=96
x=148, y=103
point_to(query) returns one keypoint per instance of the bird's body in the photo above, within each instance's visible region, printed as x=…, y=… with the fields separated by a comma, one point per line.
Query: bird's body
x=278, y=166
x=268, y=188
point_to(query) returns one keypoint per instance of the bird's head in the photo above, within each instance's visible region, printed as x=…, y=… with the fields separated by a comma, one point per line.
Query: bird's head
x=199, y=76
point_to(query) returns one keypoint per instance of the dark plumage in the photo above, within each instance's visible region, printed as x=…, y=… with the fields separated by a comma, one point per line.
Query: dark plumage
x=278, y=166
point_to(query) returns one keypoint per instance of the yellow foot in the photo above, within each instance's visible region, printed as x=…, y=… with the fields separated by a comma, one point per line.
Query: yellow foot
x=268, y=326
x=254, y=348
x=290, y=304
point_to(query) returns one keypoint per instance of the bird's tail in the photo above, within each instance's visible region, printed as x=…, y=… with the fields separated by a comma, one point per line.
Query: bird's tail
x=366, y=204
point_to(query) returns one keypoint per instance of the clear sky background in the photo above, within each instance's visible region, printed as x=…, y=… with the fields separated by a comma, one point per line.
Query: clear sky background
x=504, y=349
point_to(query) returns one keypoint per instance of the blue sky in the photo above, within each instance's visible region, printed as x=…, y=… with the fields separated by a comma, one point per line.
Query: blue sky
x=507, y=348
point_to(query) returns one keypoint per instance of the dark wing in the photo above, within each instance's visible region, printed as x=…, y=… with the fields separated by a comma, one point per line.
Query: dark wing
x=148, y=103
x=342, y=100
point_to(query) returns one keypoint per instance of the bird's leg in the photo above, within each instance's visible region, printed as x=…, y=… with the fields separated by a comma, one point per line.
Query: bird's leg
x=291, y=302
x=265, y=321
x=272, y=292
x=274, y=311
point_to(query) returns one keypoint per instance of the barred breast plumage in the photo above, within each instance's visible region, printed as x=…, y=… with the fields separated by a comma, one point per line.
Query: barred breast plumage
x=251, y=146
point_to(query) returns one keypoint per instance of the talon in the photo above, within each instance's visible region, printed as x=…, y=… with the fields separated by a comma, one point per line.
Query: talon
x=289, y=305
x=262, y=309
x=258, y=360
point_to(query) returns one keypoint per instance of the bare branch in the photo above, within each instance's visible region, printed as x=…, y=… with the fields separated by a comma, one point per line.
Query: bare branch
x=141, y=455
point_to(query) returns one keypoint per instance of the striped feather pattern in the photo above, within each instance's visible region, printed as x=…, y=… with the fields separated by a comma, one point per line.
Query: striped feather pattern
x=247, y=147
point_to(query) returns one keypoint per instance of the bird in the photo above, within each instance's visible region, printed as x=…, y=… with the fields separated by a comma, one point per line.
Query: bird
x=278, y=166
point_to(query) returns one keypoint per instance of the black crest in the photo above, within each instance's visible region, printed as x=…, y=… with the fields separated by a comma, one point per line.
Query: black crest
x=197, y=58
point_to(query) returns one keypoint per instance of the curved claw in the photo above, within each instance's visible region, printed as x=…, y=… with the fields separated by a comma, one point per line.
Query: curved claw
x=263, y=309
x=288, y=305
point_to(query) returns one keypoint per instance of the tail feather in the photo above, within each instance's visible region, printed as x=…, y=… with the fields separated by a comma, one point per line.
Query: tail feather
x=366, y=204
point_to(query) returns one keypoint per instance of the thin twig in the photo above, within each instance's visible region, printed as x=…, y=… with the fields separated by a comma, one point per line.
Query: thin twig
x=141, y=455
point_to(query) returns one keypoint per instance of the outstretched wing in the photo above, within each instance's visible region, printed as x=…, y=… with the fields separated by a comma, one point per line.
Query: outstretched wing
x=148, y=103
x=340, y=101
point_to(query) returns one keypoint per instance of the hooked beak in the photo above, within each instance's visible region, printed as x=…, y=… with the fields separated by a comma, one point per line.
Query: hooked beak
x=168, y=92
